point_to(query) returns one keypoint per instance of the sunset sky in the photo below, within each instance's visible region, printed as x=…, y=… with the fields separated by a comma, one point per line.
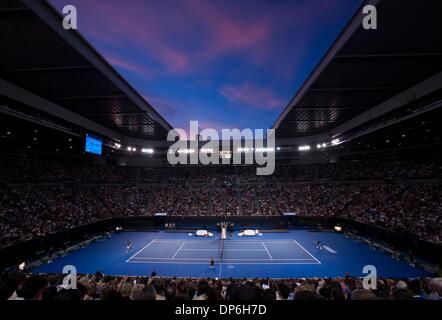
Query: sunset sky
x=225, y=63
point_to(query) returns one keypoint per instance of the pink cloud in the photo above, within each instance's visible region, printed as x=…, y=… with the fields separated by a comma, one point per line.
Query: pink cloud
x=133, y=24
x=175, y=61
x=174, y=109
x=252, y=95
x=218, y=126
x=189, y=35
x=125, y=64
x=167, y=107
x=229, y=34
x=157, y=32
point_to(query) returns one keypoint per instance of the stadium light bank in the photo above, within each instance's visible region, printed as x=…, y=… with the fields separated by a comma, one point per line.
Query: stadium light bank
x=260, y=147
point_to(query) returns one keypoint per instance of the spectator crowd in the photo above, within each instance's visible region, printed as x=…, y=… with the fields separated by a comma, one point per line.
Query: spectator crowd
x=49, y=287
x=38, y=198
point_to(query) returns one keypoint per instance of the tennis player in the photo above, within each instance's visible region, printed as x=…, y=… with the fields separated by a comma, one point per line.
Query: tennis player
x=129, y=246
x=318, y=244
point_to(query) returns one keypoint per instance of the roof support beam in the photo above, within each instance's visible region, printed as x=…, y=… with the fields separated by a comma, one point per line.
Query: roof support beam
x=392, y=55
x=53, y=19
x=428, y=108
x=110, y=96
x=354, y=89
x=354, y=24
x=45, y=69
x=314, y=108
x=42, y=122
x=136, y=125
x=106, y=114
x=295, y=121
x=420, y=90
x=30, y=99
x=423, y=88
x=14, y=9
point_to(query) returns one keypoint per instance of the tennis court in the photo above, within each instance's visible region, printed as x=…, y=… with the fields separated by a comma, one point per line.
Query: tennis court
x=228, y=251
x=274, y=255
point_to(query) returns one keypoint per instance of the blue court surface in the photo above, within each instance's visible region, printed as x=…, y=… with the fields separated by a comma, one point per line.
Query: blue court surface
x=274, y=255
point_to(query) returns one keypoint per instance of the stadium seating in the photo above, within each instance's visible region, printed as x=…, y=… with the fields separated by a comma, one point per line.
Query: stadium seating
x=100, y=287
x=40, y=198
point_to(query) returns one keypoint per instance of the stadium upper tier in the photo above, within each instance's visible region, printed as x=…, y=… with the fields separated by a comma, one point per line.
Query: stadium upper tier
x=40, y=198
x=31, y=171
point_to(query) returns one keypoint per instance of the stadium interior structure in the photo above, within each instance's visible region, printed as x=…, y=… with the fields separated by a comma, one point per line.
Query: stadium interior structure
x=358, y=163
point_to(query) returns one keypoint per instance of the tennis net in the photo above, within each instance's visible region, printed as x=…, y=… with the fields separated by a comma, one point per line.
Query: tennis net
x=222, y=249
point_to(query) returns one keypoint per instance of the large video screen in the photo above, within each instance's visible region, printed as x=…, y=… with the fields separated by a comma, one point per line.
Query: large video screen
x=93, y=145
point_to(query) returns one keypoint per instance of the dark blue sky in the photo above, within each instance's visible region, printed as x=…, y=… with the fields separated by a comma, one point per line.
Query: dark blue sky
x=225, y=63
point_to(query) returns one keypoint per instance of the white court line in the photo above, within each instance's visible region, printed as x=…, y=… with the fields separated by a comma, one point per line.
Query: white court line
x=141, y=249
x=224, y=250
x=306, y=251
x=221, y=263
x=231, y=259
x=271, y=258
x=220, y=267
x=227, y=241
x=182, y=260
x=329, y=249
x=178, y=250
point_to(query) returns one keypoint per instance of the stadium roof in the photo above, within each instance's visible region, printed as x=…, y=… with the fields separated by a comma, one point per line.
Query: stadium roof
x=365, y=68
x=59, y=68
x=361, y=71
